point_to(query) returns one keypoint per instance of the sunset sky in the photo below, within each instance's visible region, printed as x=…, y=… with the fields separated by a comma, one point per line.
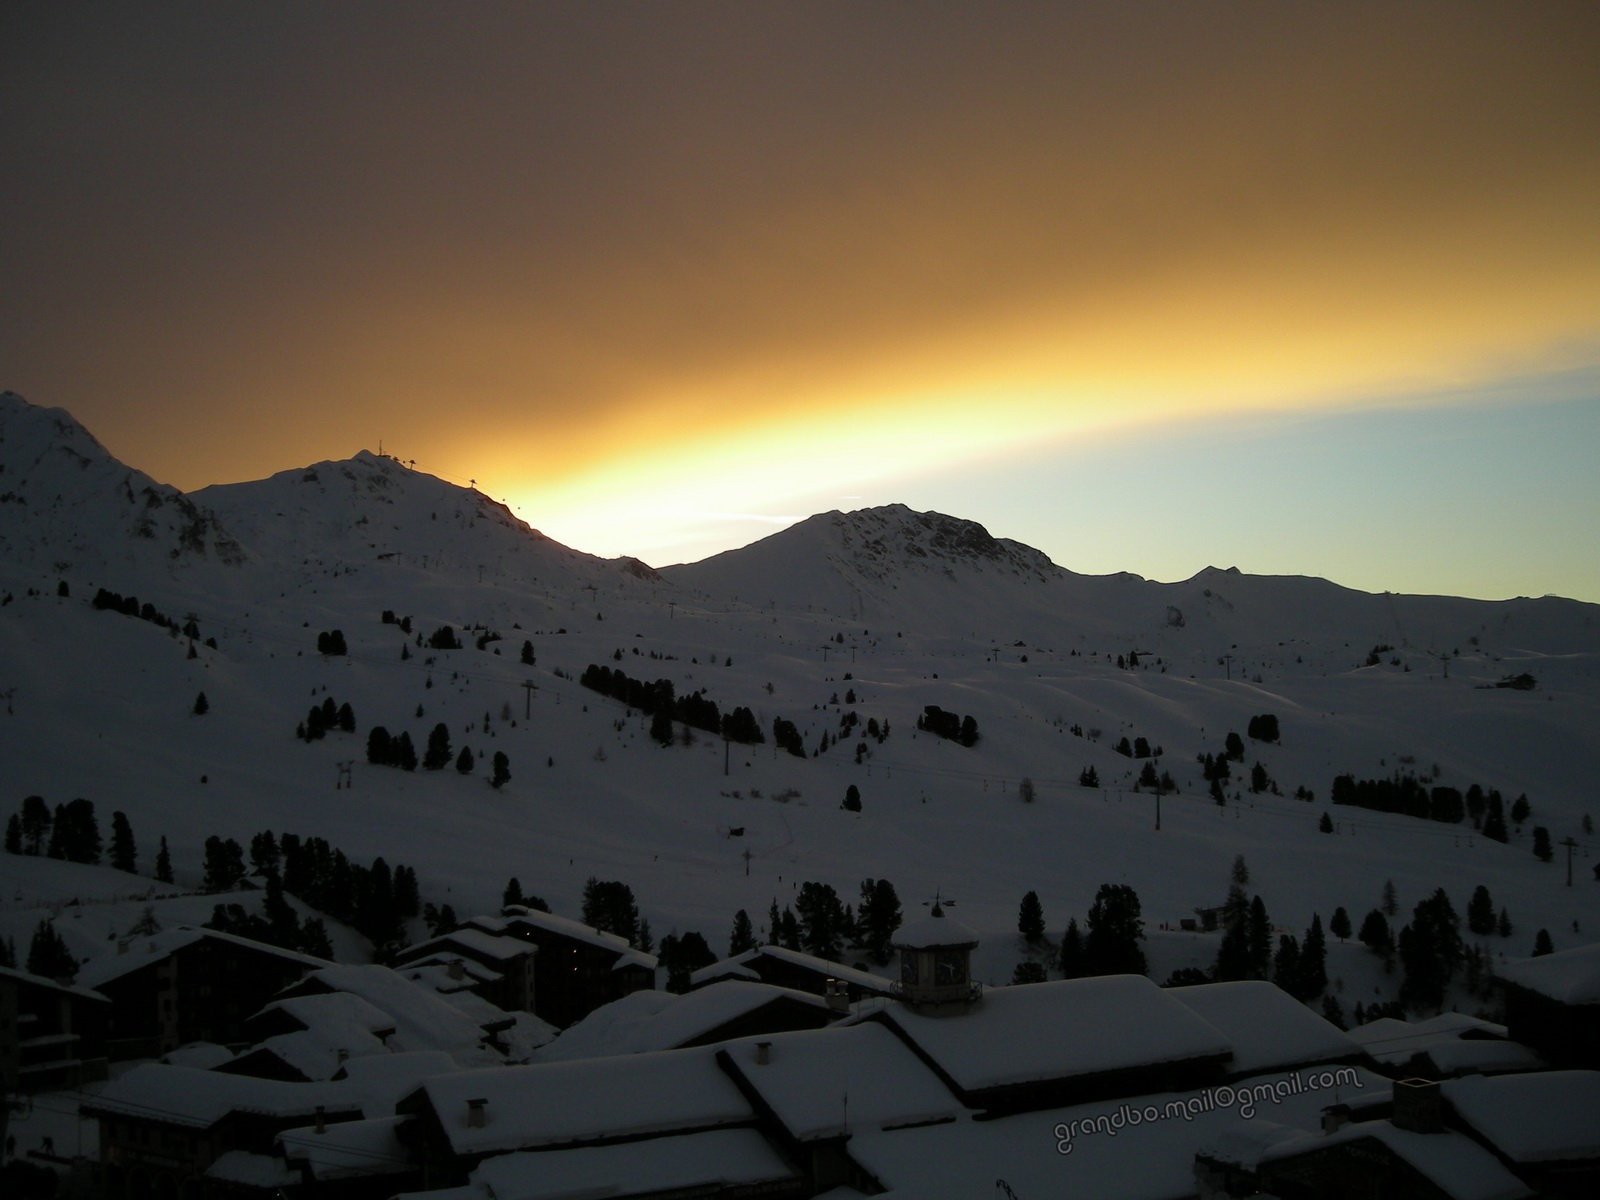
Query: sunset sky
x=1306, y=289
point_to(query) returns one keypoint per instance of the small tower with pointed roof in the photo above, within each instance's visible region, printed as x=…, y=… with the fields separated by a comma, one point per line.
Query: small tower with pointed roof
x=936, y=964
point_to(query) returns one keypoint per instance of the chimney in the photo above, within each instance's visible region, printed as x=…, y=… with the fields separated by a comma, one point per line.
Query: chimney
x=477, y=1114
x=322, y=1124
x=342, y=1055
x=456, y=969
x=763, y=1053
x=1417, y=1106
x=1335, y=1117
x=837, y=995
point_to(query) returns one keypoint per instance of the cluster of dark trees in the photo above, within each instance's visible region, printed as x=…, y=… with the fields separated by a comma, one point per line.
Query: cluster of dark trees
x=1138, y=748
x=129, y=606
x=822, y=925
x=951, y=726
x=609, y=906
x=388, y=618
x=396, y=750
x=1106, y=944
x=325, y=717
x=1407, y=794
x=1263, y=728
x=331, y=643
x=71, y=832
x=375, y=900
x=693, y=710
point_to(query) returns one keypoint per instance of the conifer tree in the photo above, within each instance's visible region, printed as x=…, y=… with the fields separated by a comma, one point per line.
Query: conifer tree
x=1542, y=944
x=36, y=822
x=1339, y=926
x=743, y=936
x=438, y=753
x=512, y=894
x=48, y=954
x=1541, y=844
x=1391, y=903
x=1313, y=961
x=1260, y=939
x=877, y=917
x=1111, y=946
x=124, y=853
x=14, y=834
x=822, y=920
x=464, y=761
x=163, y=862
x=1030, y=919
x=1480, y=912
x=500, y=775
x=1286, y=965
x=201, y=705
x=1070, y=957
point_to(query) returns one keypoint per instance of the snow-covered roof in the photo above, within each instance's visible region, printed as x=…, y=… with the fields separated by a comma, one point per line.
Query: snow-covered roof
x=422, y=1019
x=442, y=973
x=253, y=1170
x=382, y=1079
x=548, y=1104
x=725, y=1158
x=477, y=941
x=334, y=1012
x=204, y=1056
x=347, y=1148
x=822, y=1083
x=1543, y=1116
x=316, y=1053
x=1455, y=1042
x=738, y=967
x=654, y=1020
x=1570, y=976
x=1454, y=1163
x=934, y=929
x=1267, y=1027
x=566, y=927
x=78, y=988
x=187, y=1096
x=1058, y=1030
x=145, y=951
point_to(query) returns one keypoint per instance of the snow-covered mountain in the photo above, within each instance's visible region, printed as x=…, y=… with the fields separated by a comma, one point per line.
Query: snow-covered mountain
x=69, y=507
x=877, y=613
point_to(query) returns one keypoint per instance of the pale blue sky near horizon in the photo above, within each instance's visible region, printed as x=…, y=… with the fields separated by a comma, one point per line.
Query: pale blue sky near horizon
x=1489, y=492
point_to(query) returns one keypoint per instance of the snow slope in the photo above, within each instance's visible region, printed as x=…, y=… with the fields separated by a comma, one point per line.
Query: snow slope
x=901, y=609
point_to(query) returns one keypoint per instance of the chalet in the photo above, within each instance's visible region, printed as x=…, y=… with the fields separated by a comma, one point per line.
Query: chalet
x=1046, y=1045
x=719, y=1012
x=1442, y=1047
x=1542, y=1125
x=1553, y=1005
x=796, y=971
x=1413, y=1154
x=1268, y=1029
x=498, y=968
x=577, y=968
x=187, y=985
x=410, y=1016
x=52, y=1035
x=462, y=1119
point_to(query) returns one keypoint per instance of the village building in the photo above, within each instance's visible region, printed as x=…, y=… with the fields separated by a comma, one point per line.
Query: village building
x=1442, y=1046
x=52, y=1034
x=719, y=1012
x=797, y=971
x=500, y=969
x=1553, y=1005
x=187, y=984
x=576, y=968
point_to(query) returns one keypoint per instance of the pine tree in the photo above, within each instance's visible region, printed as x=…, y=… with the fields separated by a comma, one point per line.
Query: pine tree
x=1521, y=810
x=1286, y=965
x=512, y=894
x=608, y=906
x=1028, y=972
x=1339, y=926
x=201, y=705
x=1480, y=912
x=1503, y=925
x=438, y=753
x=877, y=917
x=646, y=938
x=224, y=864
x=1030, y=919
x=1313, y=961
x=124, y=854
x=743, y=936
x=1542, y=944
x=852, y=799
x=405, y=754
x=1391, y=903
x=346, y=718
x=773, y=922
x=1430, y=950
x=1326, y=824
x=789, y=929
x=1111, y=946
x=1541, y=844
x=527, y=654
x=163, y=862
x=14, y=834
x=501, y=773
x=1494, y=825
x=822, y=920
x=36, y=822
x=1260, y=939
x=48, y=954
x=1070, y=957
x=464, y=761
